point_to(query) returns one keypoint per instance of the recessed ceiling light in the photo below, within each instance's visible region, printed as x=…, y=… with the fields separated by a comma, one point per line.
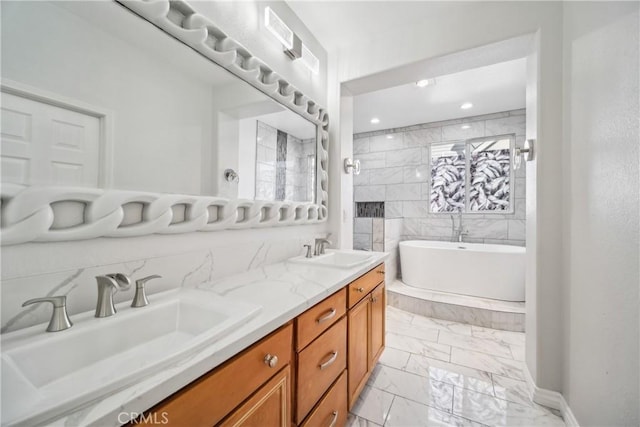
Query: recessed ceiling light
x=465, y=126
x=375, y=121
x=425, y=82
x=389, y=136
x=466, y=105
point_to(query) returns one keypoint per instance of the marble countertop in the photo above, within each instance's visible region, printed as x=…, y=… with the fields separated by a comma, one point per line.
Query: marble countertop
x=284, y=290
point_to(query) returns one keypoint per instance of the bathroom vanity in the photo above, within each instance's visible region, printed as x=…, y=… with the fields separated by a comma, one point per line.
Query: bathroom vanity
x=308, y=372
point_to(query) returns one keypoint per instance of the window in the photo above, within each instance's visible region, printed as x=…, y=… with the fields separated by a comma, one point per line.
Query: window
x=472, y=176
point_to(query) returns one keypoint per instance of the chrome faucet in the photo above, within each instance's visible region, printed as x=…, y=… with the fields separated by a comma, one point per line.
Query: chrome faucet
x=59, y=318
x=320, y=245
x=140, y=298
x=107, y=284
x=308, y=253
x=457, y=233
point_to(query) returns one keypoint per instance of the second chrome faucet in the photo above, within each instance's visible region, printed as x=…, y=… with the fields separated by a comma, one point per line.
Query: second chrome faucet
x=109, y=283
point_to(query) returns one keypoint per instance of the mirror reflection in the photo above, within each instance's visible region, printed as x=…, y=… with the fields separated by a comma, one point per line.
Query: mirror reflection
x=98, y=97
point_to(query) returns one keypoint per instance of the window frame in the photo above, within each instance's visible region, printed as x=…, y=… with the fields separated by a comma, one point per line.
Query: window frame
x=467, y=179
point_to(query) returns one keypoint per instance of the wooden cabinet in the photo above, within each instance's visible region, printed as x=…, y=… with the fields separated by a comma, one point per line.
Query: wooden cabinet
x=206, y=401
x=366, y=323
x=270, y=406
x=307, y=373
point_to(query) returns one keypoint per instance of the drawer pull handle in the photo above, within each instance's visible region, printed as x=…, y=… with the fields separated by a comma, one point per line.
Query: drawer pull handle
x=331, y=314
x=334, y=419
x=334, y=356
x=380, y=271
x=360, y=290
x=271, y=360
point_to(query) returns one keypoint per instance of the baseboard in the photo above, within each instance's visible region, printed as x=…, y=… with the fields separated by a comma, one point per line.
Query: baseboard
x=550, y=399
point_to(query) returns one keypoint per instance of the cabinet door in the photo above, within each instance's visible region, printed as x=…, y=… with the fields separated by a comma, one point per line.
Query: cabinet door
x=378, y=304
x=358, y=344
x=268, y=407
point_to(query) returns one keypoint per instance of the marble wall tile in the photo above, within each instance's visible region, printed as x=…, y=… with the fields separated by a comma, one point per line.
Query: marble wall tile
x=361, y=146
x=387, y=142
x=363, y=225
x=362, y=178
x=459, y=132
x=372, y=160
x=405, y=157
x=393, y=210
x=378, y=230
x=419, y=173
x=414, y=209
x=517, y=229
x=378, y=247
x=369, y=193
x=505, y=125
x=362, y=241
x=394, y=175
x=403, y=192
x=393, y=228
x=487, y=229
x=422, y=137
x=412, y=227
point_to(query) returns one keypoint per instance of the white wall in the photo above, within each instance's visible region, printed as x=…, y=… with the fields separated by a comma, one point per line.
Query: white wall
x=473, y=24
x=38, y=269
x=601, y=221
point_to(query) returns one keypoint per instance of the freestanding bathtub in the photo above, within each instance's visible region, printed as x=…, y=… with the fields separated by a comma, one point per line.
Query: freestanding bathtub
x=488, y=271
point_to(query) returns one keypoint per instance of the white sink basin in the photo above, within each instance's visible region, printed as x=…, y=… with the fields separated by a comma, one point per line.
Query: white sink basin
x=45, y=374
x=337, y=259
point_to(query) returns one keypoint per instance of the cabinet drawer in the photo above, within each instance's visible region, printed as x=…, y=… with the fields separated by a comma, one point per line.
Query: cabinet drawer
x=319, y=365
x=209, y=399
x=332, y=409
x=320, y=317
x=364, y=284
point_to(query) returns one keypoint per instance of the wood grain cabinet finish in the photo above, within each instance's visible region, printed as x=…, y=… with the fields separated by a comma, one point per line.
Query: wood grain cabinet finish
x=358, y=343
x=378, y=305
x=364, y=284
x=332, y=409
x=319, y=318
x=319, y=365
x=206, y=401
x=268, y=407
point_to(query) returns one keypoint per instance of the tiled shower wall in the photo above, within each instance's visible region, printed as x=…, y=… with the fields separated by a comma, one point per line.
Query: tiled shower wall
x=394, y=169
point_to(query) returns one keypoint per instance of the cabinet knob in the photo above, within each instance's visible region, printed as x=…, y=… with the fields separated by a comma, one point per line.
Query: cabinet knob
x=380, y=271
x=360, y=290
x=374, y=299
x=271, y=360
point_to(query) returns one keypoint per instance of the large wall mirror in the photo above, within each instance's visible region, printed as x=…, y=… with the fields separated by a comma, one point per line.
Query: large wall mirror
x=96, y=97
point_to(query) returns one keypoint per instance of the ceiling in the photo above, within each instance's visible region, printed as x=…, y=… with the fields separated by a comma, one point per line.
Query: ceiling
x=491, y=89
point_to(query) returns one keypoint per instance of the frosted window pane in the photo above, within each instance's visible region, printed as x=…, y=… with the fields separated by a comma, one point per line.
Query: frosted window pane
x=490, y=169
x=447, y=177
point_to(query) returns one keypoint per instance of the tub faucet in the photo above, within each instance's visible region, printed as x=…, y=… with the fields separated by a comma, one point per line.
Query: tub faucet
x=107, y=284
x=457, y=233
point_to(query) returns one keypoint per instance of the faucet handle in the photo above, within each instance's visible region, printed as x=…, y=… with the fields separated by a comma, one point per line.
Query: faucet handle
x=140, y=298
x=59, y=318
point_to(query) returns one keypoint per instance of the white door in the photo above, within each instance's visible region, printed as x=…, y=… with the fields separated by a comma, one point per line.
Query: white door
x=43, y=144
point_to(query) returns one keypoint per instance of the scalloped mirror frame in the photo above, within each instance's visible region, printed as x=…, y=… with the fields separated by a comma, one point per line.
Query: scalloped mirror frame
x=49, y=214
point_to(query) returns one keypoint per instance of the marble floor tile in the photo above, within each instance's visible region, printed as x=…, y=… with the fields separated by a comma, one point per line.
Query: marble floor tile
x=498, y=412
x=510, y=389
x=399, y=315
x=407, y=413
x=517, y=352
x=356, y=421
x=373, y=405
x=418, y=346
x=507, y=337
x=411, y=330
x=476, y=344
x=444, y=325
x=394, y=358
x=424, y=390
x=457, y=375
x=487, y=362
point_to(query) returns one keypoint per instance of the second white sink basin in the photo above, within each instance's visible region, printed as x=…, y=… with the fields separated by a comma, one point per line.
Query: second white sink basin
x=337, y=259
x=45, y=374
